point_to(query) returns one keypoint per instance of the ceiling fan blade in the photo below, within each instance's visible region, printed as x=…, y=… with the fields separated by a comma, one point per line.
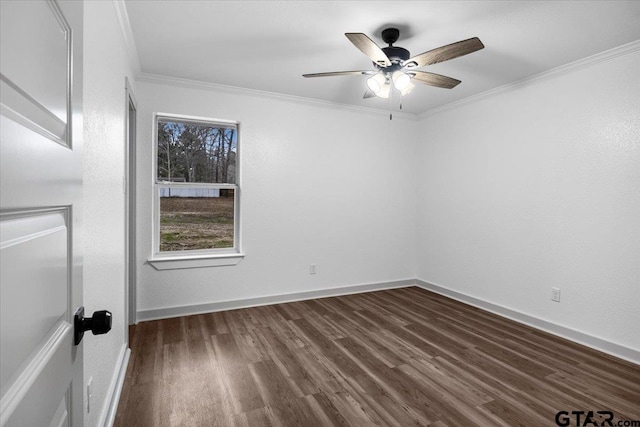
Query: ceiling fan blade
x=445, y=53
x=339, y=73
x=369, y=48
x=368, y=94
x=436, y=80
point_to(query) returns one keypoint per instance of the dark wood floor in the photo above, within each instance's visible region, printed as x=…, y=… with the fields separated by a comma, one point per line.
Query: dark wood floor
x=399, y=357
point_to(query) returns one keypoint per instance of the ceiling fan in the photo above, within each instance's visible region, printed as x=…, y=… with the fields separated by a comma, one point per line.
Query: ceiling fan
x=394, y=65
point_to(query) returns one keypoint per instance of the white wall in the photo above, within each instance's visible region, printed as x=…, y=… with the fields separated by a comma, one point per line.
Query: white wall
x=320, y=185
x=105, y=68
x=539, y=187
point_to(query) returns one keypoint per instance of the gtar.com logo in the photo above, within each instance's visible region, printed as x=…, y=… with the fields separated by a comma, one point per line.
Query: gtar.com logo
x=592, y=418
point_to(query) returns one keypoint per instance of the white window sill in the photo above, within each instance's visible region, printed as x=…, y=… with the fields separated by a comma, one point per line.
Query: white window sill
x=174, y=262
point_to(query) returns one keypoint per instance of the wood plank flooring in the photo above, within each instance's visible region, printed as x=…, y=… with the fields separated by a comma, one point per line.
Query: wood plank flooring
x=399, y=357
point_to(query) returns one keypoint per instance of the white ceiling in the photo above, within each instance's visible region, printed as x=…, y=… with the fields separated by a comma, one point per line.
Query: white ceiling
x=268, y=45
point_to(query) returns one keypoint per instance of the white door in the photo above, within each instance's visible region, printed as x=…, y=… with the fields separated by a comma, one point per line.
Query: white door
x=40, y=212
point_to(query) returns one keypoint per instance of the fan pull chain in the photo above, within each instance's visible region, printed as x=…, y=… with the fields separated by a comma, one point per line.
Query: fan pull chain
x=391, y=114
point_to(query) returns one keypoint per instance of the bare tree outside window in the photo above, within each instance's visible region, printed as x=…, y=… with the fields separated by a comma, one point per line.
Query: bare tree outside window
x=196, y=153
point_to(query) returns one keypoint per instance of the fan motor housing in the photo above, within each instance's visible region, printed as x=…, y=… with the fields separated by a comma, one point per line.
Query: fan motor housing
x=396, y=54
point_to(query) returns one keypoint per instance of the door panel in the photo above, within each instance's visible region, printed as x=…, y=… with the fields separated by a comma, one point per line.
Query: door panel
x=40, y=212
x=28, y=239
x=42, y=42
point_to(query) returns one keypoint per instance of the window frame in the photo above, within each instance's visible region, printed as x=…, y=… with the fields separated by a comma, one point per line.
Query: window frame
x=163, y=260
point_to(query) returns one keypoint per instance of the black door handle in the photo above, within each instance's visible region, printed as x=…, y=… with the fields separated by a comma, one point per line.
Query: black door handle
x=99, y=324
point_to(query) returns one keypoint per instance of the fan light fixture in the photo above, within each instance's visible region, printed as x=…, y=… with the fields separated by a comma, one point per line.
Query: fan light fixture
x=407, y=89
x=379, y=86
x=401, y=80
x=376, y=82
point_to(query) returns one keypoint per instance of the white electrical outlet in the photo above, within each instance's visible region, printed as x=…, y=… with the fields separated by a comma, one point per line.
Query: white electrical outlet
x=555, y=294
x=312, y=269
x=89, y=393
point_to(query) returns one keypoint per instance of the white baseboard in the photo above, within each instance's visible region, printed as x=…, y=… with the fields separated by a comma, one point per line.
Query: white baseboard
x=600, y=344
x=165, y=313
x=116, y=388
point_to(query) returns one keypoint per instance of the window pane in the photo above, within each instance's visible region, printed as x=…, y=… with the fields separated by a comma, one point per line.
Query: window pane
x=196, y=152
x=196, y=218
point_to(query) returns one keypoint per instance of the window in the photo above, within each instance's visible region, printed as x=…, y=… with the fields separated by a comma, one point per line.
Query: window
x=196, y=200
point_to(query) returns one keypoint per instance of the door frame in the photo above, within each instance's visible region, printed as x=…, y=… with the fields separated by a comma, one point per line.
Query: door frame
x=130, y=129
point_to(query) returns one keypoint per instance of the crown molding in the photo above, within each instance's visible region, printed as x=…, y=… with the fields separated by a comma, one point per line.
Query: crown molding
x=125, y=28
x=580, y=64
x=235, y=90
